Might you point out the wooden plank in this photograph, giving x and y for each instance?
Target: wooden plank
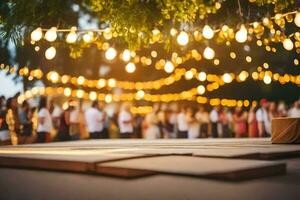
(215, 168)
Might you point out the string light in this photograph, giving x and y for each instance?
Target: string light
(37, 34)
(72, 36)
(51, 34)
(183, 38)
(267, 79)
(207, 32)
(126, 55)
(110, 53)
(297, 19)
(169, 67)
(201, 89)
(88, 37)
(241, 35)
(50, 53)
(202, 76)
(130, 67)
(288, 44)
(208, 53)
(227, 78)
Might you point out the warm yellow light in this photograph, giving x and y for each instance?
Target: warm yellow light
(296, 61)
(93, 96)
(37, 34)
(207, 32)
(173, 31)
(101, 83)
(130, 67)
(154, 54)
(50, 53)
(126, 55)
(232, 55)
(216, 61)
(140, 94)
(208, 53)
(243, 75)
(169, 67)
(288, 44)
(227, 78)
(202, 76)
(53, 76)
(183, 38)
(71, 37)
(201, 89)
(80, 80)
(241, 35)
(110, 53)
(51, 34)
(297, 19)
(266, 65)
(189, 75)
(88, 37)
(267, 79)
(67, 92)
(248, 59)
(108, 98)
(112, 82)
(80, 93)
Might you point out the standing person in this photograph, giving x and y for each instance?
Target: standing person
(240, 122)
(281, 110)
(295, 110)
(74, 127)
(182, 123)
(151, 124)
(63, 133)
(225, 122)
(26, 115)
(126, 121)
(252, 122)
(13, 120)
(272, 111)
(44, 121)
(214, 119)
(56, 112)
(203, 118)
(4, 132)
(95, 121)
(264, 122)
(171, 120)
(193, 124)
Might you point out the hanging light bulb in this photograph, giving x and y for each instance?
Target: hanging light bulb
(126, 55)
(189, 75)
(93, 96)
(288, 44)
(67, 92)
(169, 67)
(110, 53)
(130, 67)
(202, 76)
(51, 34)
(201, 89)
(50, 53)
(53, 76)
(88, 37)
(72, 36)
(227, 78)
(241, 35)
(207, 32)
(208, 53)
(37, 34)
(297, 19)
(183, 38)
(140, 94)
(267, 79)
(173, 31)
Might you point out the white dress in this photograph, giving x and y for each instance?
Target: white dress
(152, 131)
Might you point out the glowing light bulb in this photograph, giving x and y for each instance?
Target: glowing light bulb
(189, 75)
(126, 55)
(53, 76)
(50, 53)
(67, 92)
(241, 35)
(208, 53)
(88, 37)
(110, 53)
(297, 19)
(267, 79)
(93, 95)
(202, 76)
(227, 78)
(201, 89)
(288, 44)
(112, 82)
(140, 94)
(108, 98)
(173, 31)
(37, 34)
(71, 37)
(207, 32)
(169, 67)
(243, 75)
(80, 93)
(183, 38)
(51, 34)
(101, 83)
(130, 67)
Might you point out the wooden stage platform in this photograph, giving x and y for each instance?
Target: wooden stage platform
(157, 169)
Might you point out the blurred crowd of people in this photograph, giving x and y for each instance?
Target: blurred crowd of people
(23, 124)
